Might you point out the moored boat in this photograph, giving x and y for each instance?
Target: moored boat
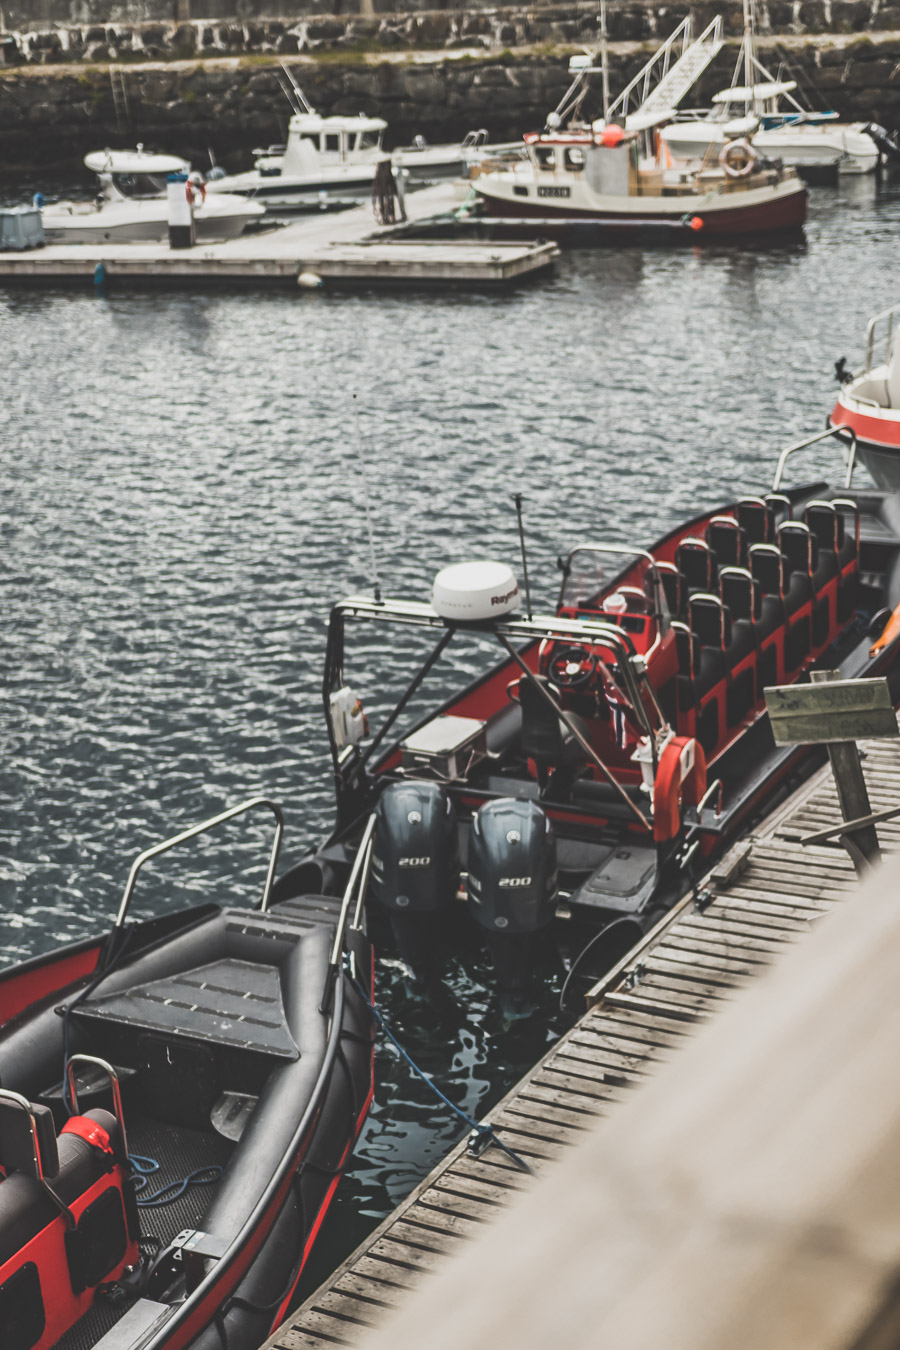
(868, 404)
(576, 786)
(131, 205)
(598, 176)
(179, 1099)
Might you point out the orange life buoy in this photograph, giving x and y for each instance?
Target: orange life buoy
(680, 781)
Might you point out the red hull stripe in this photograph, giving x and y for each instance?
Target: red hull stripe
(21, 991)
(877, 431)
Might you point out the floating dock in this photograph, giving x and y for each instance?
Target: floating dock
(765, 895)
(333, 246)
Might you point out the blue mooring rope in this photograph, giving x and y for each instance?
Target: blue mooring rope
(481, 1135)
(145, 1167)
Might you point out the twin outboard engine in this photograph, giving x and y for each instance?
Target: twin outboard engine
(512, 883)
(415, 867)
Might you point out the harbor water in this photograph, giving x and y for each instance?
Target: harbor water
(184, 485)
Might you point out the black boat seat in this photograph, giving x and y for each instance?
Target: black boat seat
(779, 503)
(674, 586)
(800, 552)
(740, 594)
(67, 1219)
(757, 519)
(848, 529)
(727, 541)
(695, 560)
(545, 737)
(824, 524)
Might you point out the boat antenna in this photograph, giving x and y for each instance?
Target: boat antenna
(376, 584)
(604, 60)
(749, 56)
(517, 498)
(303, 103)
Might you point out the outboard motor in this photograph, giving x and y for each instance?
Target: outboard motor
(512, 884)
(415, 867)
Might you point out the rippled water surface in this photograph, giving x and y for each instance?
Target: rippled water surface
(182, 500)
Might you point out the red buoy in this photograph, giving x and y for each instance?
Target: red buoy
(612, 135)
(696, 222)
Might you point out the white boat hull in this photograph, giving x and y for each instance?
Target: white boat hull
(143, 221)
(801, 146)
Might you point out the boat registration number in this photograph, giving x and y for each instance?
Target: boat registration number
(554, 192)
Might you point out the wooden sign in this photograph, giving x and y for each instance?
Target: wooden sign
(836, 710)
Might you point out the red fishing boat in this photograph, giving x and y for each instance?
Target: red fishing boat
(179, 1099)
(577, 786)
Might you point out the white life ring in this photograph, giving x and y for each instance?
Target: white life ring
(738, 158)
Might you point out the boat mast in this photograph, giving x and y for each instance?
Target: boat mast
(749, 56)
(604, 59)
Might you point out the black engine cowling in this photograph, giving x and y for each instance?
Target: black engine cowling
(512, 867)
(415, 859)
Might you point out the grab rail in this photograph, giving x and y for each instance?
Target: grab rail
(840, 431)
(359, 874)
(202, 828)
(112, 1078)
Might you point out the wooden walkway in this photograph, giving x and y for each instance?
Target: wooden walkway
(765, 895)
(336, 246)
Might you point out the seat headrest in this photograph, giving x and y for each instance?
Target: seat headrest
(27, 1137)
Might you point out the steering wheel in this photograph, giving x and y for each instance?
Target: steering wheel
(572, 667)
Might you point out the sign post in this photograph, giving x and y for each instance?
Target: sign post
(837, 712)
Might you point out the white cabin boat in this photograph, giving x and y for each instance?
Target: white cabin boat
(331, 161)
(802, 139)
(131, 206)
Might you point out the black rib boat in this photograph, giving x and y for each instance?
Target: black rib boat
(166, 1190)
(577, 786)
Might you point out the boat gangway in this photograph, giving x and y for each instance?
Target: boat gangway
(764, 896)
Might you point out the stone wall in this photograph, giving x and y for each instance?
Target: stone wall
(51, 116)
(43, 31)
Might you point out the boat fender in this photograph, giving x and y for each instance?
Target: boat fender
(738, 158)
(680, 781)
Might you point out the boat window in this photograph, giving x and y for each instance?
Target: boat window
(370, 140)
(574, 158)
(591, 573)
(139, 184)
(546, 156)
(332, 142)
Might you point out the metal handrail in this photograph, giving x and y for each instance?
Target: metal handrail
(714, 787)
(842, 432)
(116, 1091)
(202, 828)
(359, 877)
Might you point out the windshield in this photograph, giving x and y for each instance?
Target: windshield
(590, 573)
(140, 184)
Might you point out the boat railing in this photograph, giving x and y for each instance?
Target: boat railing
(357, 885)
(206, 825)
(112, 1079)
(842, 433)
(652, 82)
(880, 342)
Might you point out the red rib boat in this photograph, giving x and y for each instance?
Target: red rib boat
(577, 785)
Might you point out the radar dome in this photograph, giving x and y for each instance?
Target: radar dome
(473, 591)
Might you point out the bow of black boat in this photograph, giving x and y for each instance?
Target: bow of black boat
(168, 1192)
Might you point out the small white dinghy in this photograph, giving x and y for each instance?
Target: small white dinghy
(131, 206)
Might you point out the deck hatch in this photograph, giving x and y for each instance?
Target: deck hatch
(229, 1002)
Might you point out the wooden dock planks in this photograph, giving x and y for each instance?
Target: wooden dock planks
(677, 978)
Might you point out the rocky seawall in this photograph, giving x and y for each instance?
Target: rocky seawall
(443, 72)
